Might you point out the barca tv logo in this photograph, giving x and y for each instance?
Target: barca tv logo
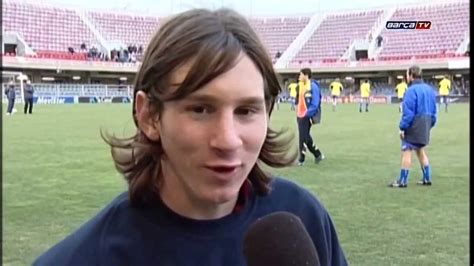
(408, 25)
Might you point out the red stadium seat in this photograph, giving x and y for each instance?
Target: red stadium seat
(40, 24)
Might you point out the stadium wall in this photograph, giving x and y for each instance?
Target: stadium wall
(112, 73)
(456, 63)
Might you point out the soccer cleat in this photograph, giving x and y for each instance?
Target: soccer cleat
(300, 163)
(396, 184)
(424, 183)
(320, 158)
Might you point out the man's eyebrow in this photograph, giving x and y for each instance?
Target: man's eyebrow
(251, 100)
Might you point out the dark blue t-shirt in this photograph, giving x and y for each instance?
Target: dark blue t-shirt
(124, 235)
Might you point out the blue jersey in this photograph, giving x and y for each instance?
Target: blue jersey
(155, 235)
(419, 112)
(312, 100)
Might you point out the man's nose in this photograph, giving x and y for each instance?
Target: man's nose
(226, 135)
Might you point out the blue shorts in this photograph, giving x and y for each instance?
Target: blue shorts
(407, 146)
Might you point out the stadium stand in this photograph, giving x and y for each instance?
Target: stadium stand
(129, 29)
(333, 37)
(50, 31)
(450, 22)
(278, 33)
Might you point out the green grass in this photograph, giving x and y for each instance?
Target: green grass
(58, 173)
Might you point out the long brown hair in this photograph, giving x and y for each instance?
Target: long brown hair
(212, 42)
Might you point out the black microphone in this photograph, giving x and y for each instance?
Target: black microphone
(279, 239)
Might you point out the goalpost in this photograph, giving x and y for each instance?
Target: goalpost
(18, 78)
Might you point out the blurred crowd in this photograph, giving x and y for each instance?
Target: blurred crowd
(130, 54)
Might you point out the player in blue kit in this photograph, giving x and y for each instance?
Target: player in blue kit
(418, 118)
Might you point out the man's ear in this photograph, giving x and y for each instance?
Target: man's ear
(147, 122)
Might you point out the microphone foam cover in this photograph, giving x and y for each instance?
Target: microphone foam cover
(279, 239)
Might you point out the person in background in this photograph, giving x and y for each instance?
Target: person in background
(336, 89)
(292, 90)
(400, 89)
(379, 41)
(277, 55)
(11, 94)
(28, 92)
(418, 118)
(364, 95)
(444, 90)
(308, 112)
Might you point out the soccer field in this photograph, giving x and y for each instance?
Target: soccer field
(58, 173)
